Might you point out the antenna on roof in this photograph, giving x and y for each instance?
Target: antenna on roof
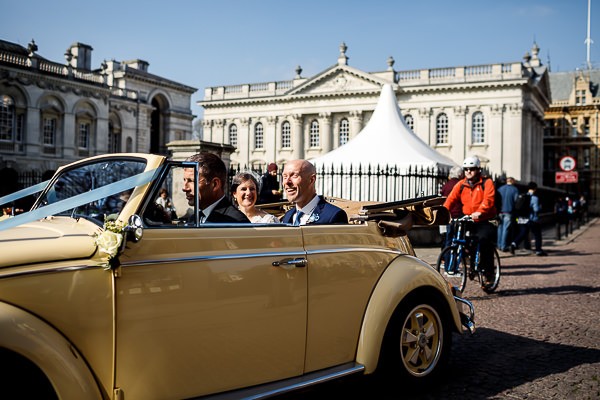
(588, 40)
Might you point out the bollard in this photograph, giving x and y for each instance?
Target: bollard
(558, 230)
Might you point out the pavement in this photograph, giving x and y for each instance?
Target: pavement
(538, 334)
(430, 254)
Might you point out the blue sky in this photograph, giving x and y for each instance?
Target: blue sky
(226, 42)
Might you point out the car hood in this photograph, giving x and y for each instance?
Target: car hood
(50, 239)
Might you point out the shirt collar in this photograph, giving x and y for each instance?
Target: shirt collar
(309, 208)
(210, 208)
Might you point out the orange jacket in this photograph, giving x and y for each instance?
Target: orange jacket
(474, 198)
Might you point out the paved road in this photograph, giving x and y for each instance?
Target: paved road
(538, 336)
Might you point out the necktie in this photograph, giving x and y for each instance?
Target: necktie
(299, 215)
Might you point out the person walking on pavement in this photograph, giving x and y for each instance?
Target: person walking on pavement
(530, 224)
(508, 194)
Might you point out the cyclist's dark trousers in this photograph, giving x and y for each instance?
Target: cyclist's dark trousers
(487, 234)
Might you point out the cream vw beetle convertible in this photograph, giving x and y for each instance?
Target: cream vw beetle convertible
(104, 295)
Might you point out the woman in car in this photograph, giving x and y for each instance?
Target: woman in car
(244, 190)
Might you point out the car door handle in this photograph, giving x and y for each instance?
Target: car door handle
(290, 263)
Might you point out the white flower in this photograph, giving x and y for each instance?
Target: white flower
(313, 218)
(109, 243)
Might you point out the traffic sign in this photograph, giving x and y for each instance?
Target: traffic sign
(567, 163)
(566, 177)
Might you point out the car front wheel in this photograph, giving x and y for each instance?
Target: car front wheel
(417, 344)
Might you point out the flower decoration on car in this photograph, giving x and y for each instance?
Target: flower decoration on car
(110, 240)
(314, 217)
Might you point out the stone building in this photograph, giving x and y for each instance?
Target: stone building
(54, 113)
(573, 129)
(495, 111)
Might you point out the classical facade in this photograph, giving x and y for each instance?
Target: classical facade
(495, 111)
(573, 129)
(54, 113)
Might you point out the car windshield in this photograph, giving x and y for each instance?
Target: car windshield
(88, 177)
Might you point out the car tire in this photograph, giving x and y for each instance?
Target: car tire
(417, 343)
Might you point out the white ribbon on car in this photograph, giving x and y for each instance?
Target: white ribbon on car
(23, 192)
(75, 201)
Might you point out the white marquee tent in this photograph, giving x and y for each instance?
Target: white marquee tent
(385, 143)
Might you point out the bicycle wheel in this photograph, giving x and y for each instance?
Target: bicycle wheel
(491, 279)
(451, 268)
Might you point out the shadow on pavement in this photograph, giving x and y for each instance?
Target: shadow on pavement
(477, 370)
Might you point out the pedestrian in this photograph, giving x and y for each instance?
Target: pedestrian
(454, 176)
(298, 179)
(269, 186)
(531, 223)
(508, 194)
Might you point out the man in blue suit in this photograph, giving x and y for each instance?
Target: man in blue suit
(298, 180)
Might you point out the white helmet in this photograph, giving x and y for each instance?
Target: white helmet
(471, 162)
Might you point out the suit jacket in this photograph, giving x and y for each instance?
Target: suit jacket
(324, 213)
(226, 212)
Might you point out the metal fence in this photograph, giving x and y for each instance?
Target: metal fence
(373, 182)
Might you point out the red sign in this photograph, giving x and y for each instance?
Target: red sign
(567, 163)
(567, 177)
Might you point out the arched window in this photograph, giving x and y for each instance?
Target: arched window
(344, 131)
(7, 118)
(129, 145)
(410, 122)
(258, 136)
(478, 131)
(11, 125)
(233, 135)
(83, 138)
(441, 129)
(286, 135)
(314, 134)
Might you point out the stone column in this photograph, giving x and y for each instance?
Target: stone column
(66, 141)
(33, 131)
(458, 134)
(356, 123)
(297, 136)
(325, 122)
(271, 139)
(244, 140)
(207, 130)
(496, 139)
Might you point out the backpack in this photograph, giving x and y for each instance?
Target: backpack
(522, 206)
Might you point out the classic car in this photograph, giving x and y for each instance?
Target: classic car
(103, 295)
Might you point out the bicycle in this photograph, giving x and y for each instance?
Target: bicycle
(461, 259)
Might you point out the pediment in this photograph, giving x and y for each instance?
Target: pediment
(339, 79)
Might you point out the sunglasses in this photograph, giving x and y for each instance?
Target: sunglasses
(471, 169)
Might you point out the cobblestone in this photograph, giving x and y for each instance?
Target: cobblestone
(538, 336)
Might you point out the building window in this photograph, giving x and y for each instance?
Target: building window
(580, 97)
(441, 129)
(233, 135)
(258, 136)
(344, 131)
(314, 134)
(114, 138)
(286, 135)
(574, 127)
(586, 126)
(410, 122)
(478, 130)
(83, 141)
(129, 145)
(49, 134)
(7, 118)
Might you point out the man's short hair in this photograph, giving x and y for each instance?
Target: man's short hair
(210, 166)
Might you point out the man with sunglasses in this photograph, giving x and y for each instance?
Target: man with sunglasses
(477, 195)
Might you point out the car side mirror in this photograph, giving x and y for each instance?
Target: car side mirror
(134, 228)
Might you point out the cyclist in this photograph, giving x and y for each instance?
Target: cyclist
(477, 195)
